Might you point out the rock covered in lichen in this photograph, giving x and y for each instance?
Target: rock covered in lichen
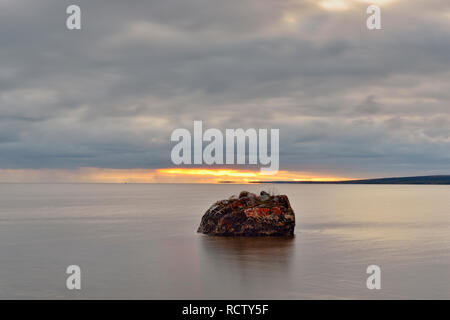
(249, 215)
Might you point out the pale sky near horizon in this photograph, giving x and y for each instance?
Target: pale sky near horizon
(349, 102)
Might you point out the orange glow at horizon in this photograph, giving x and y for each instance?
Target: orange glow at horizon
(209, 172)
(163, 175)
(245, 176)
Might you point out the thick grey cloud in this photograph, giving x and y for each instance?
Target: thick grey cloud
(346, 100)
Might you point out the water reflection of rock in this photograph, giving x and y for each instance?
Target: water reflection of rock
(251, 261)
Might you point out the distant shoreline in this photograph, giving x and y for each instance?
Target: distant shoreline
(422, 180)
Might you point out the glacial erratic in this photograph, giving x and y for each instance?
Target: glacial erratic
(249, 215)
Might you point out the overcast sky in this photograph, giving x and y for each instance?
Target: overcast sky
(347, 101)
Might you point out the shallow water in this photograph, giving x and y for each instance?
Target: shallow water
(139, 241)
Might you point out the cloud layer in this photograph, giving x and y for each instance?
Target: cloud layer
(346, 100)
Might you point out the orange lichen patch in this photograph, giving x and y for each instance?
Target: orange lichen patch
(257, 212)
(262, 212)
(276, 211)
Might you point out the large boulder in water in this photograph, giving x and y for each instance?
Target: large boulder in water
(249, 215)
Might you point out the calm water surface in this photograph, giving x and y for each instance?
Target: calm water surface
(138, 241)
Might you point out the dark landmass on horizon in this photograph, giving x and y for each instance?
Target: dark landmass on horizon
(436, 180)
